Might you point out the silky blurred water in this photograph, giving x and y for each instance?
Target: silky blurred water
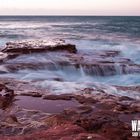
(88, 33)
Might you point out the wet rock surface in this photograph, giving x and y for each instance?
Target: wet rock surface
(3, 56)
(129, 88)
(97, 116)
(6, 96)
(63, 109)
(60, 55)
(102, 63)
(38, 46)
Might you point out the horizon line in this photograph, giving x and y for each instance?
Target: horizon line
(72, 15)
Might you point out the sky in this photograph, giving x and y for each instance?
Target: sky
(70, 7)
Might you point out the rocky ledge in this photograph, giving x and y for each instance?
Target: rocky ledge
(89, 112)
(95, 116)
(32, 46)
(60, 55)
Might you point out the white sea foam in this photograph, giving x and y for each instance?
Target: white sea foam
(89, 35)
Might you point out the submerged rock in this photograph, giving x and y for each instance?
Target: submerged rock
(25, 47)
(58, 97)
(129, 88)
(103, 63)
(84, 64)
(96, 63)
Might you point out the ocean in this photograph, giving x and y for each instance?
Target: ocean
(89, 33)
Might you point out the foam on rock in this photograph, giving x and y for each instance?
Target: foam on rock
(29, 46)
(3, 56)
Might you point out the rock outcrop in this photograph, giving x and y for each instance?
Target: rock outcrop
(89, 112)
(98, 116)
(25, 47)
(96, 63)
(6, 96)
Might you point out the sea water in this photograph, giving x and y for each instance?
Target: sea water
(88, 33)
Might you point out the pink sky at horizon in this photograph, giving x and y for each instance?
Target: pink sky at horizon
(69, 7)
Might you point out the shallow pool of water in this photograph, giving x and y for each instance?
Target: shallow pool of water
(48, 106)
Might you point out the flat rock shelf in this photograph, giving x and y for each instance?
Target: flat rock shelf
(53, 94)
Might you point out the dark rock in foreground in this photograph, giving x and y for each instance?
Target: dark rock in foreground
(6, 96)
(66, 132)
(98, 116)
(25, 47)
